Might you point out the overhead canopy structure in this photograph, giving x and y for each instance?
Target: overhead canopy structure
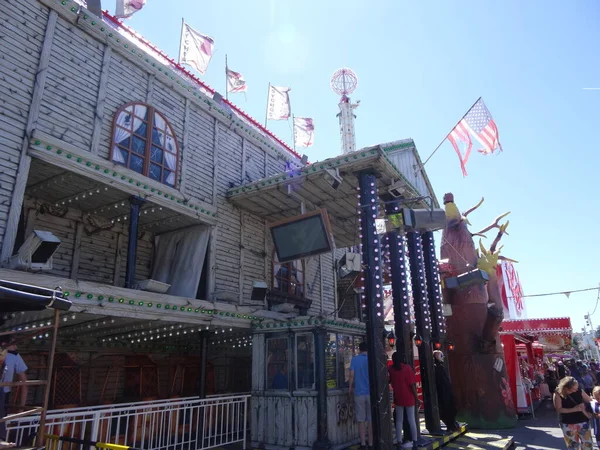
(553, 333)
(23, 297)
(330, 184)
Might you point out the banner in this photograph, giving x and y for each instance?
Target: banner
(196, 49)
(278, 103)
(126, 8)
(235, 82)
(304, 132)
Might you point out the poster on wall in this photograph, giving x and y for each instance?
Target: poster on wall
(555, 342)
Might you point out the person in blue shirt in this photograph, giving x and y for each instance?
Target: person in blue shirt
(359, 388)
(280, 381)
(11, 364)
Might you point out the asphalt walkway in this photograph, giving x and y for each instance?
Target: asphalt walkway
(541, 433)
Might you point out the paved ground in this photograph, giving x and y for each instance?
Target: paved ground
(541, 433)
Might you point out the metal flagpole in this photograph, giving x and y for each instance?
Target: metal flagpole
(226, 87)
(267, 111)
(446, 137)
(293, 132)
(180, 40)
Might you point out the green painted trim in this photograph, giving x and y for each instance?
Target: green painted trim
(200, 208)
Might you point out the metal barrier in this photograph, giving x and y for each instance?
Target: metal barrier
(177, 423)
(53, 442)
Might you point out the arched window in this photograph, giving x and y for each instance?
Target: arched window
(145, 142)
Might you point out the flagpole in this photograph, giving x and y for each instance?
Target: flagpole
(293, 133)
(180, 40)
(446, 137)
(226, 90)
(267, 111)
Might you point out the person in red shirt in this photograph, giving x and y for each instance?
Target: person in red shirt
(402, 379)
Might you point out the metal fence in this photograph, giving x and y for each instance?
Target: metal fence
(190, 423)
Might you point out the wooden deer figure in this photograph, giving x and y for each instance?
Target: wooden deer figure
(477, 364)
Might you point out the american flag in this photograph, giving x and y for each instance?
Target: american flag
(479, 123)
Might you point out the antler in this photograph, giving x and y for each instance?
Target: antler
(501, 232)
(493, 225)
(469, 211)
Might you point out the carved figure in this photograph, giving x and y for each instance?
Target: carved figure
(477, 366)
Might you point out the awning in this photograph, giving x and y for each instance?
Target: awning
(553, 333)
(23, 297)
(556, 325)
(280, 196)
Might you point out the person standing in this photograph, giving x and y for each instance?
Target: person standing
(358, 383)
(444, 393)
(570, 403)
(403, 381)
(12, 365)
(562, 370)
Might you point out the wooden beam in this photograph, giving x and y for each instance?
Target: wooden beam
(185, 160)
(118, 259)
(101, 100)
(30, 224)
(215, 161)
(76, 251)
(16, 203)
(150, 88)
(242, 248)
(243, 174)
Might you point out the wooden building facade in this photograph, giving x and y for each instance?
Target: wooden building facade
(97, 128)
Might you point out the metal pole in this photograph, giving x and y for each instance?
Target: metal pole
(226, 84)
(134, 212)
(438, 322)
(373, 299)
(323, 441)
(40, 439)
(267, 111)
(421, 305)
(400, 294)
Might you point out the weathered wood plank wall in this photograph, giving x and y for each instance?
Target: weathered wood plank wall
(88, 79)
(98, 255)
(23, 30)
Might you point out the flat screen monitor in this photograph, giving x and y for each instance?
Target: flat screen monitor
(302, 236)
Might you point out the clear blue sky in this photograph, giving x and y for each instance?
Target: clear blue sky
(420, 68)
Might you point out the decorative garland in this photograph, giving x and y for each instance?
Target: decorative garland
(213, 312)
(202, 209)
(116, 39)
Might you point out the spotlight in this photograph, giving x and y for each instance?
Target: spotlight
(418, 341)
(451, 346)
(36, 252)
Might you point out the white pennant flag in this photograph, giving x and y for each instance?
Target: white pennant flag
(304, 132)
(196, 49)
(126, 8)
(235, 82)
(278, 104)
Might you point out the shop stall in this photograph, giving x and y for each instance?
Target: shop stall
(524, 343)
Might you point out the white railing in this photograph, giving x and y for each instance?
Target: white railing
(167, 424)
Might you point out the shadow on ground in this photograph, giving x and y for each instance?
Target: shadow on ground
(539, 433)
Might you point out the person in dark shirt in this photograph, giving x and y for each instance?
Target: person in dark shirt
(562, 370)
(570, 403)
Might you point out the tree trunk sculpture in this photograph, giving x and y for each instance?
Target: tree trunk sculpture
(477, 369)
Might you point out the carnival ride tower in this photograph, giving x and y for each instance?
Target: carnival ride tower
(344, 82)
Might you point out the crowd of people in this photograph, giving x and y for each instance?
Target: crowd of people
(576, 397)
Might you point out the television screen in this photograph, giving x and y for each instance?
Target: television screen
(302, 236)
